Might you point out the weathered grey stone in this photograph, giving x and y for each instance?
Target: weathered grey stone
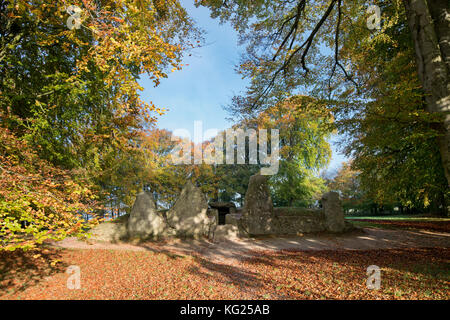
(188, 216)
(257, 214)
(334, 215)
(300, 224)
(109, 232)
(257, 200)
(226, 232)
(232, 218)
(213, 216)
(144, 220)
(259, 217)
(296, 211)
(293, 220)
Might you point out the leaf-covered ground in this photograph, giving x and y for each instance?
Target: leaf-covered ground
(329, 274)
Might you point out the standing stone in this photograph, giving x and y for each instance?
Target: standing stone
(257, 214)
(213, 216)
(144, 220)
(188, 216)
(334, 215)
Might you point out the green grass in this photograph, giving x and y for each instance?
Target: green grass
(416, 218)
(410, 222)
(367, 224)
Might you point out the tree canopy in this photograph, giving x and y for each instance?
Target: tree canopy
(394, 122)
(77, 139)
(69, 89)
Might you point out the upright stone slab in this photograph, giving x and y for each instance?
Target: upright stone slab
(334, 215)
(188, 216)
(144, 220)
(257, 214)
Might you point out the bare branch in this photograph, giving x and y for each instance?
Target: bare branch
(300, 8)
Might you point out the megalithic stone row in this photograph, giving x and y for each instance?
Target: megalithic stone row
(259, 217)
(190, 216)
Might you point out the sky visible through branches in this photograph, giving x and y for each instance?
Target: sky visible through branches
(207, 83)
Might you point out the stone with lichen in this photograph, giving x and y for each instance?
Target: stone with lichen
(188, 216)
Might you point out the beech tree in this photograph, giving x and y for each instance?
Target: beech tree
(304, 125)
(285, 41)
(429, 22)
(69, 95)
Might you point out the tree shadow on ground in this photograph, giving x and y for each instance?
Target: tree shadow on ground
(21, 269)
(408, 271)
(217, 269)
(246, 280)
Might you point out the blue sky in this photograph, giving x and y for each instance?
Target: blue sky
(200, 90)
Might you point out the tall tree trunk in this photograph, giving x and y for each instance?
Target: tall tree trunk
(429, 22)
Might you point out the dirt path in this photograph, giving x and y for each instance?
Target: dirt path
(235, 249)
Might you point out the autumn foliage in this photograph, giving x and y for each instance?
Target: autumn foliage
(37, 200)
(413, 274)
(71, 116)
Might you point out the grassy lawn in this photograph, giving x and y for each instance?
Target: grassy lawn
(369, 224)
(400, 218)
(120, 274)
(405, 222)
